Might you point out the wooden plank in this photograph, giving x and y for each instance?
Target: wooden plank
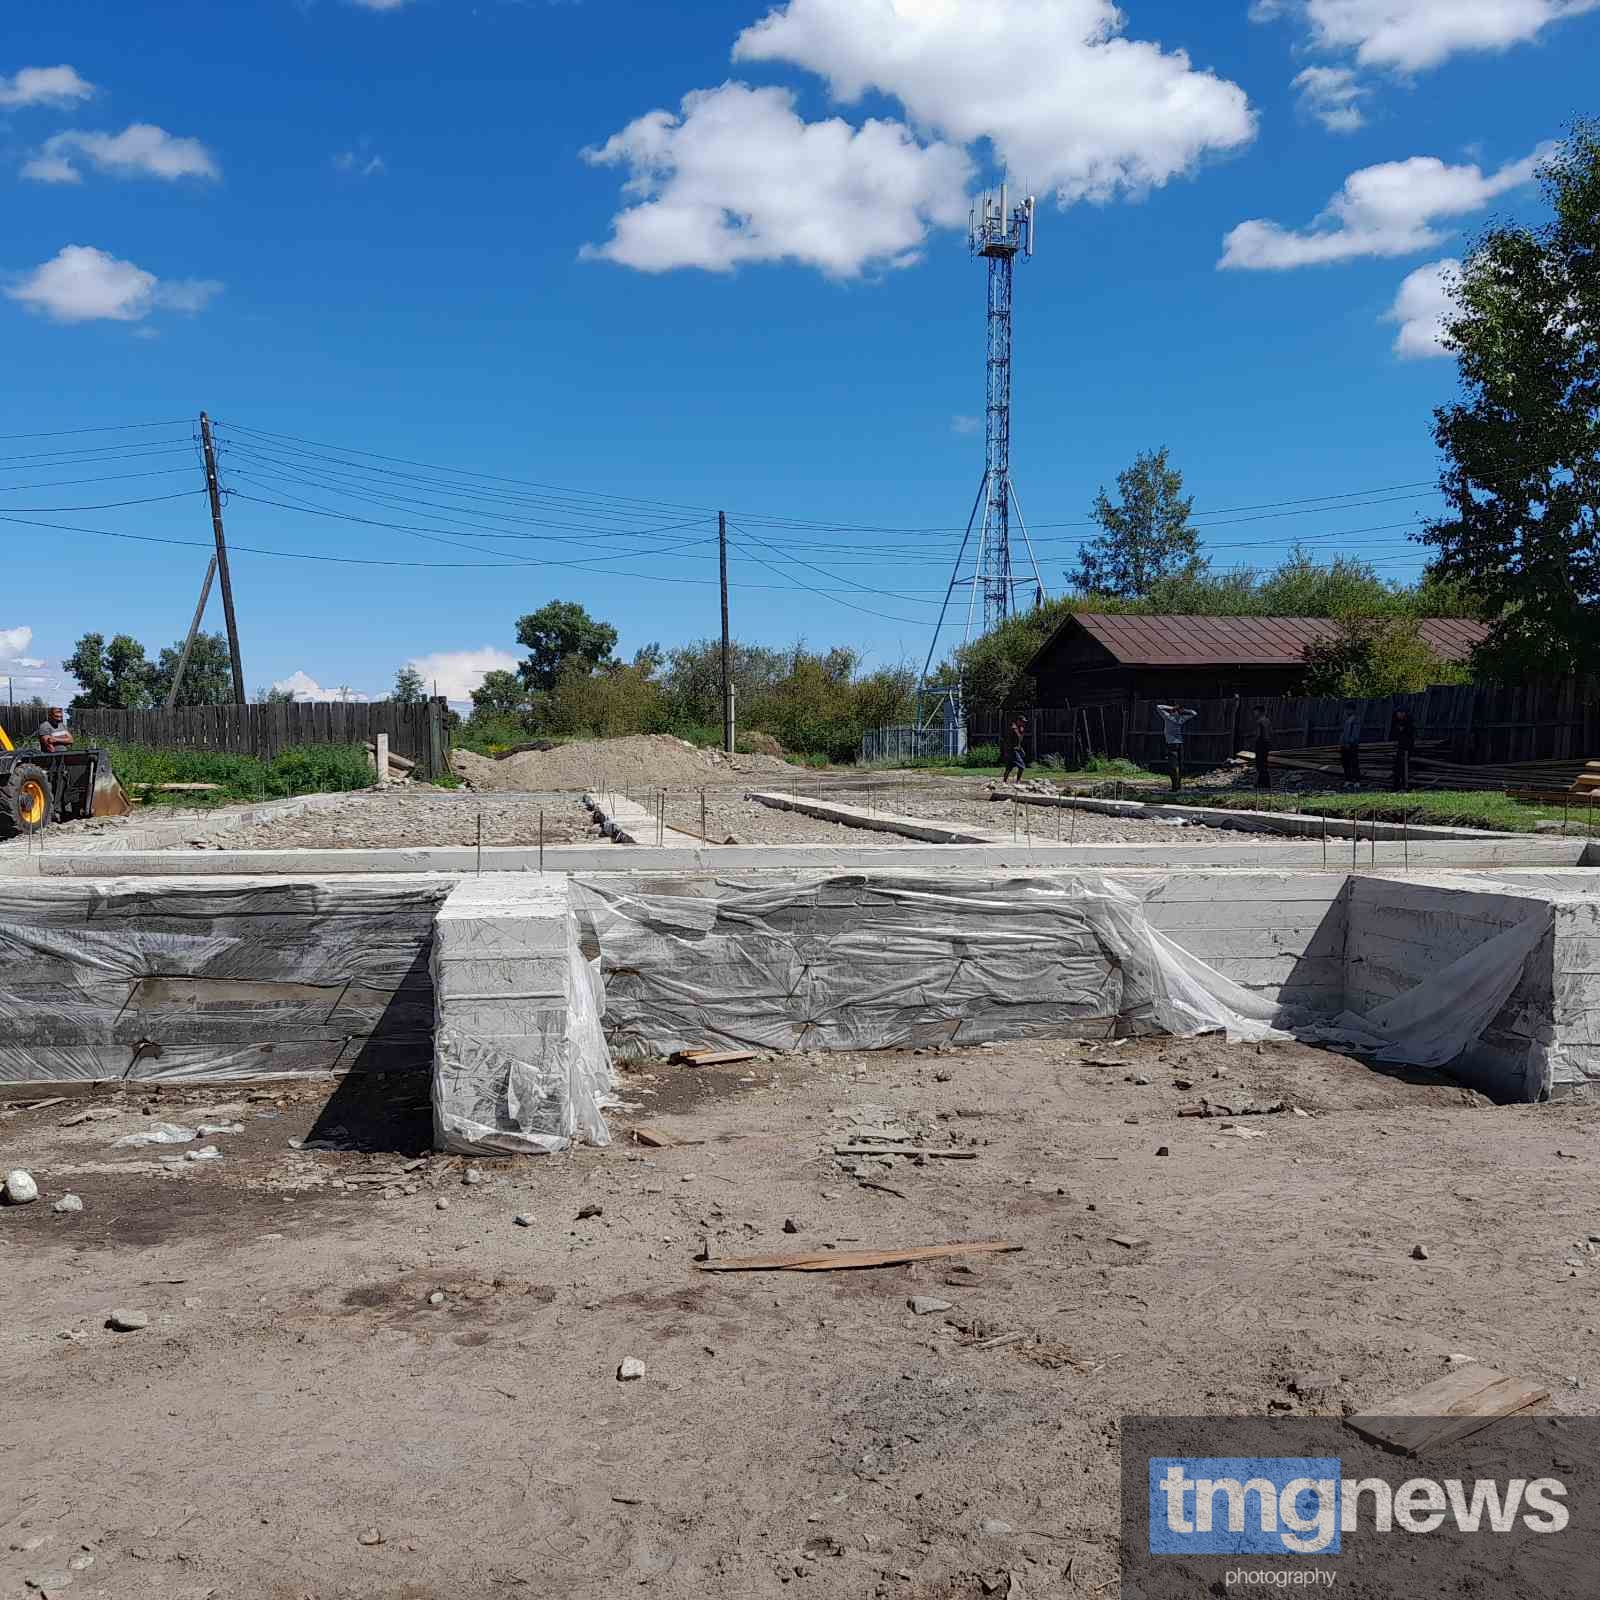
(850, 1260)
(1448, 1409)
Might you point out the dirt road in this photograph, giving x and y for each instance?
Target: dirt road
(301, 1418)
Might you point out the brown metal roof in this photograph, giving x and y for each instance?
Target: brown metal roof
(1182, 641)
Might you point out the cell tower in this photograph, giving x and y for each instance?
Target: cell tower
(999, 235)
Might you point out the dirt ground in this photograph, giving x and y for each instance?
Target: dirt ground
(301, 1418)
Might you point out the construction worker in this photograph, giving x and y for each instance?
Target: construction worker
(53, 733)
(1015, 751)
(1172, 721)
(1350, 743)
(1404, 733)
(1263, 749)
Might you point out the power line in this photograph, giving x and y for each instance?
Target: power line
(116, 427)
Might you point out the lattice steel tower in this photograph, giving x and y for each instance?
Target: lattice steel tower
(999, 234)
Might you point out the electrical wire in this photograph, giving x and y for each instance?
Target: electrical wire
(116, 427)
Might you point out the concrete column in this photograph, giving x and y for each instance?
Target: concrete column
(380, 746)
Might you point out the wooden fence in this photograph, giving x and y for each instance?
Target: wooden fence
(415, 731)
(1542, 719)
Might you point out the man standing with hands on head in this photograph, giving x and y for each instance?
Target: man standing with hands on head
(1172, 721)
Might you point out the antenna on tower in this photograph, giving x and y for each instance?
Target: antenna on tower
(999, 233)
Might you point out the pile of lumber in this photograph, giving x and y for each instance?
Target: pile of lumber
(1583, 791)
(400, 767)
(1429, 769)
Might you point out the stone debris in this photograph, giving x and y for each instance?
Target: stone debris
(925, 1305)
(1419, 1252)
(19, 1188)
(523, 1219)
(68, 1202)
(157, 1133)
(369, 1537)
(122, 1321)
(590, 1210)
(436, 1298)
(631, 1369)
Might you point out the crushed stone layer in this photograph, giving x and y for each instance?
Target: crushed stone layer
(455, 1330)
(418, 816)
(968, 805)
(637, 762)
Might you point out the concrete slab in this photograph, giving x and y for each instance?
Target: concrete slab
(873, 820)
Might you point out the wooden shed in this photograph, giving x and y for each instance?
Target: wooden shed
(1094, 658)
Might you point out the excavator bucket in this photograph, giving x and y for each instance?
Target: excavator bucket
(110, 798)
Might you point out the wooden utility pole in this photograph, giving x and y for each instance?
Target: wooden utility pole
(222, 558)
(727, 674)
(194, 628)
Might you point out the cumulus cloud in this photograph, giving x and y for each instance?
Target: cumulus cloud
(13, 641)
(1067, 102)
(1332, 95)
(1388, 210)
(306, 688)
(737, 176)
(83, 284)
(43, 86)
(1412, 35)
(1421, 306)
(459, 672)
(141, 150)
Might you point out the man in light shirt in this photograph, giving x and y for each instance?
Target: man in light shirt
(1172, 721)
(53, 734)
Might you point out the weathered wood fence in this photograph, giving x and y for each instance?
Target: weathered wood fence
(418, 731)
(1541, 719)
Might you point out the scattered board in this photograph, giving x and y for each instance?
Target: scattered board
(1448, 1409)
(706, 1057)
(842, 1260)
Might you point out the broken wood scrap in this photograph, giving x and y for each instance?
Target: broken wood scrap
(882, 1188)
(843, 1260)
(704, 1056)
(1448, 1409)
(903, 1150)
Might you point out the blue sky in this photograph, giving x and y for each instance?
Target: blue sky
(583, 272)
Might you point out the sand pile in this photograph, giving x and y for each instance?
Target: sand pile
(640, 761)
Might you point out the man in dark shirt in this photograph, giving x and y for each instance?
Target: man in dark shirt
(1263, 728)
(1403, 731)
(53, 734)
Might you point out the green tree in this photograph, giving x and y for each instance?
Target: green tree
(207, 679)
(271, 696)
(409, 689)
(1369, 656)
(501, 694)
(556, 634)
(1522, 445)
(115, 675)
(1145, 537)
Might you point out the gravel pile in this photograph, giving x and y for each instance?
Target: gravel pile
(638, 762)
(418, 817)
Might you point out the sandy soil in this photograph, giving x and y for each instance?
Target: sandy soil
(420, 815)
(299, 1420)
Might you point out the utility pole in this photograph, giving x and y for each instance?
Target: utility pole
(194, 628)
(727, 675)
(222, 558)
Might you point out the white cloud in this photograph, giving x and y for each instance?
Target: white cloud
(1387, 210)
(1411, 35)
(141, 150)
(380, 5)
(964, 424)
(83, 284)
(1067, 102)
(1333, 96)
(43, 86)
(13, 641)
(304, 687)
(1421, 306)
(359, 164)
(459, 672)
(738, 177)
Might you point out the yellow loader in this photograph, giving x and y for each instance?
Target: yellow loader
(38, 787)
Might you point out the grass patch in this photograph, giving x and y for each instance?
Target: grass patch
(1471, 808)
(305, 769)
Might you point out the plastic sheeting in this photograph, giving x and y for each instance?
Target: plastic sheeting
(871, 962)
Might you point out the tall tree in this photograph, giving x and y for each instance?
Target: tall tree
(1522, 445)
(208, 677)
(500, 694)
(409, 689)
(558, 633)
(115, 675)
(1145, 536)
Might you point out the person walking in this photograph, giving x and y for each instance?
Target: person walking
(1263, 748)
(1403, 731)
(1014, 753)
(1350, 743)
(1172, 721)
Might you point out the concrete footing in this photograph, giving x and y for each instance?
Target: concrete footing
(627, 822)
(874, 821)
